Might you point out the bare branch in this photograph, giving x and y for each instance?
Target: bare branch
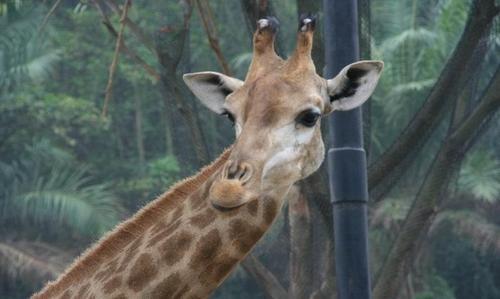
(489, 104)
(209, 25)
(264, 277)
(130, 53)
(112, 67)
(49, 14)
(134, 28)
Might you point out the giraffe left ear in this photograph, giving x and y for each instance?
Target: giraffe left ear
(354, 84)
(212, 88)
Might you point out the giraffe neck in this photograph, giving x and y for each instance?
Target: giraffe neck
(178, 246)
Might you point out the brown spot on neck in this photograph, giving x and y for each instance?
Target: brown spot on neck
(175, 247)
(206, 249)
(253, 207)
(215, 272)
(271, 210)
(143, 271)
(168, 287)
(203, 219)
(111, 285)
(244, 235)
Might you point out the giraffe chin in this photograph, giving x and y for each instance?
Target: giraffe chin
(228, 194)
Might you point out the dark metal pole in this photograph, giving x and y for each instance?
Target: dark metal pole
(347, 159)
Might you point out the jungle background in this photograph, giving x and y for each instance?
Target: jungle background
(89, 134)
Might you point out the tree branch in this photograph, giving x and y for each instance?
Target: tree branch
(264, 277)
(49, 14)
(130, 53)
(301, 262)
(328, 286)
(488, 105)
(452, 78)
(209, 25)
(134, 28)
(112, 67)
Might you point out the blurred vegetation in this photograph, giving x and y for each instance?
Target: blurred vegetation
(68, 175)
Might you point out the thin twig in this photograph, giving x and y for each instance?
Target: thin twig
(209, 25)
(130, 53)
(489, 104)
(112, 67)
(49, 14)
(134, 28)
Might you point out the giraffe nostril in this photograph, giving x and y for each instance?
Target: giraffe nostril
(246, 174)
(237, 171)
(233, 171)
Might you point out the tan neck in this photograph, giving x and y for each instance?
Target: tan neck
(177, 246)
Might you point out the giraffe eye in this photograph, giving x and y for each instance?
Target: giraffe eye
(308, 118)
(229, 115)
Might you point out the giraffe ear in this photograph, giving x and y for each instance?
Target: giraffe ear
(212, 88)
(354, 84)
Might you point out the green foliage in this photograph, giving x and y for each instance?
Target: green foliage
(163, 168)
(46, 189)
(25, 55)
(466, 271)
(480, 176)
(481, 232)
(436, 287)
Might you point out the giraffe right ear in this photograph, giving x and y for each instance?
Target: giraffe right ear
(212, 88)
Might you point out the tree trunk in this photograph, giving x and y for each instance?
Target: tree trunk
(300, 246)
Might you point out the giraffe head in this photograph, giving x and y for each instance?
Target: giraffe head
(276, 113)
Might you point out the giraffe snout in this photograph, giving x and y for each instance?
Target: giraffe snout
(229, 191)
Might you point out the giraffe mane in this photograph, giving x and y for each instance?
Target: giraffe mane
(128, 230)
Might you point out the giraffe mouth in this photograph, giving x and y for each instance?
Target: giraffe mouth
(223, 209)
(229, 194)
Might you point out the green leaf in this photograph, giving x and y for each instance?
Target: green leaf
(480, 176)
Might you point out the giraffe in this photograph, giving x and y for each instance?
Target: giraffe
(187, 241)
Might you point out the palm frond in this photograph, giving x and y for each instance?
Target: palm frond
(420, 36)
(64, 196)
(480, 176)
(18, 263)
(401, 97)
(24, 56)
(413, 86)
(391, 211)
(44, 191)
(483, 234)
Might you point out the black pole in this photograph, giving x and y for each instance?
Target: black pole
(347, 159)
